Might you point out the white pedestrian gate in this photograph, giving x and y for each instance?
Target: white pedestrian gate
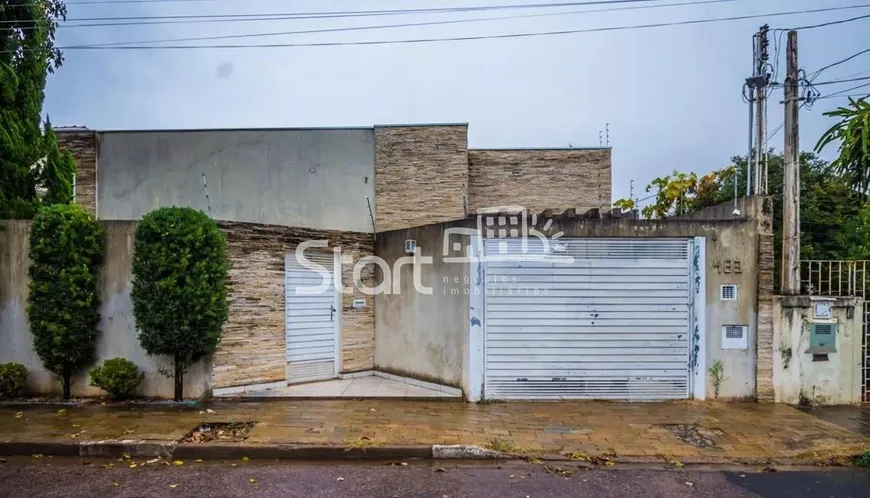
(614, 324)
(312, 336)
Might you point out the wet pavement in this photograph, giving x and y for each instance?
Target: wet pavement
(76, 478)
(692, 431)
(852, 418)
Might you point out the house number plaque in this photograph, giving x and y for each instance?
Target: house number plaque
(728, 266)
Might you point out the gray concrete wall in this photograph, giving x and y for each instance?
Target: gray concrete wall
(833, 380)
(313, 178)
(410, 329)
(417, 335)
(118, 336)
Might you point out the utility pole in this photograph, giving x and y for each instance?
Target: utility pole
(791, 216)
(761, 111)
(750, 82)
(600, 138)
(607, 127)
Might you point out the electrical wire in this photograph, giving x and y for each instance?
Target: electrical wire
(830, 23)
(355, 13)
(847, 59)
(836, 94)
(294, 17)
(461, 38)
(848, 80)
(386, 26)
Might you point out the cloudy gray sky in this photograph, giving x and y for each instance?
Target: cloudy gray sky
(672, 95)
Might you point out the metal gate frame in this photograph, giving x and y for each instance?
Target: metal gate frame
(843, 278)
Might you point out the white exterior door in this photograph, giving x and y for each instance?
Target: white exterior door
(614, 324)
(311, 320)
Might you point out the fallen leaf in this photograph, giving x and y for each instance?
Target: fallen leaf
(133, 465)
(209, 410)
(440, 469)
(178, 462)
(201, 412)
(108, 465)
(115, 483)
(245, 459)
(37, 455)
(404, 464)
(19, 415)
(173, 486)
(511, 476)
(153, 460)
(126, 456)
(689, 483)
(372, 410)
(252, 480)
(340, 479)
(677, 463)
(129, 431)
(77, 425)
(198, 460)
(74, 435)
(742, 475)
(232, 465)
(609, 463)
(2, 460)
(62, 411)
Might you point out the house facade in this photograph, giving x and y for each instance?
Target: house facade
(500, 273)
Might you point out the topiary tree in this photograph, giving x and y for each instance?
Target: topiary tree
(66, 250)
(179, 286)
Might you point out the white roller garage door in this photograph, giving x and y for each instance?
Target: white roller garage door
(614, 324)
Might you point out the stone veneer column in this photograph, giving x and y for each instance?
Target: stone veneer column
(421, 175)
(83, 145)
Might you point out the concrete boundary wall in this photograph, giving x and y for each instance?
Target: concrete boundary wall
(252, 349)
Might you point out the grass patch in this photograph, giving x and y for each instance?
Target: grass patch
(219, 431)
(503, 446)
(365, 442)
(862, 459)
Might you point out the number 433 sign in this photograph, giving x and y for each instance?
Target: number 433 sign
(728, 266)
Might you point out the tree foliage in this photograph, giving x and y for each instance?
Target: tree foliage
(853, 133)
(829, 205)
(179, 286)
(29, 160)
(682, 193)
(66, 250)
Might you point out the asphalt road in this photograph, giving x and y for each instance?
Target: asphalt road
(73, 478)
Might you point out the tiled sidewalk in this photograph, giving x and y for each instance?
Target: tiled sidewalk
(685, 430)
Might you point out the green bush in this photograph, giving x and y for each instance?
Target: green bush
(66, 249)
(179, 286)
(119, 377)
(13, 380)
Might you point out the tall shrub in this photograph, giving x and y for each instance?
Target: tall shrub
(179, 286)
(66, 250)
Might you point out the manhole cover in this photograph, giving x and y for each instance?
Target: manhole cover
(697, 436)
(219, 431)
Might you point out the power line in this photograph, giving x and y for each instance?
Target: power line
(836, 94)
(463, 38)
(354, 13)
(847, 59)
(295, 17)
(386, 26)
(848, 80)
(830, 23)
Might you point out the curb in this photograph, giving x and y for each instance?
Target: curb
(235, 451)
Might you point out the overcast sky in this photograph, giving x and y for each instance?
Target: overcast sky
(672, 95)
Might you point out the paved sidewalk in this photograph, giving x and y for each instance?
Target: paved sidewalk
(689, 431)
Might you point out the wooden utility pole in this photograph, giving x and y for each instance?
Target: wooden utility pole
(791, 216)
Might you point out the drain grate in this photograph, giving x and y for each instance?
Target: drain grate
(219, 431)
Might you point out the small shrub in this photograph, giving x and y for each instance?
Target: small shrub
(863, 460)
(717, 376)
(13, 380)
(118, 377)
